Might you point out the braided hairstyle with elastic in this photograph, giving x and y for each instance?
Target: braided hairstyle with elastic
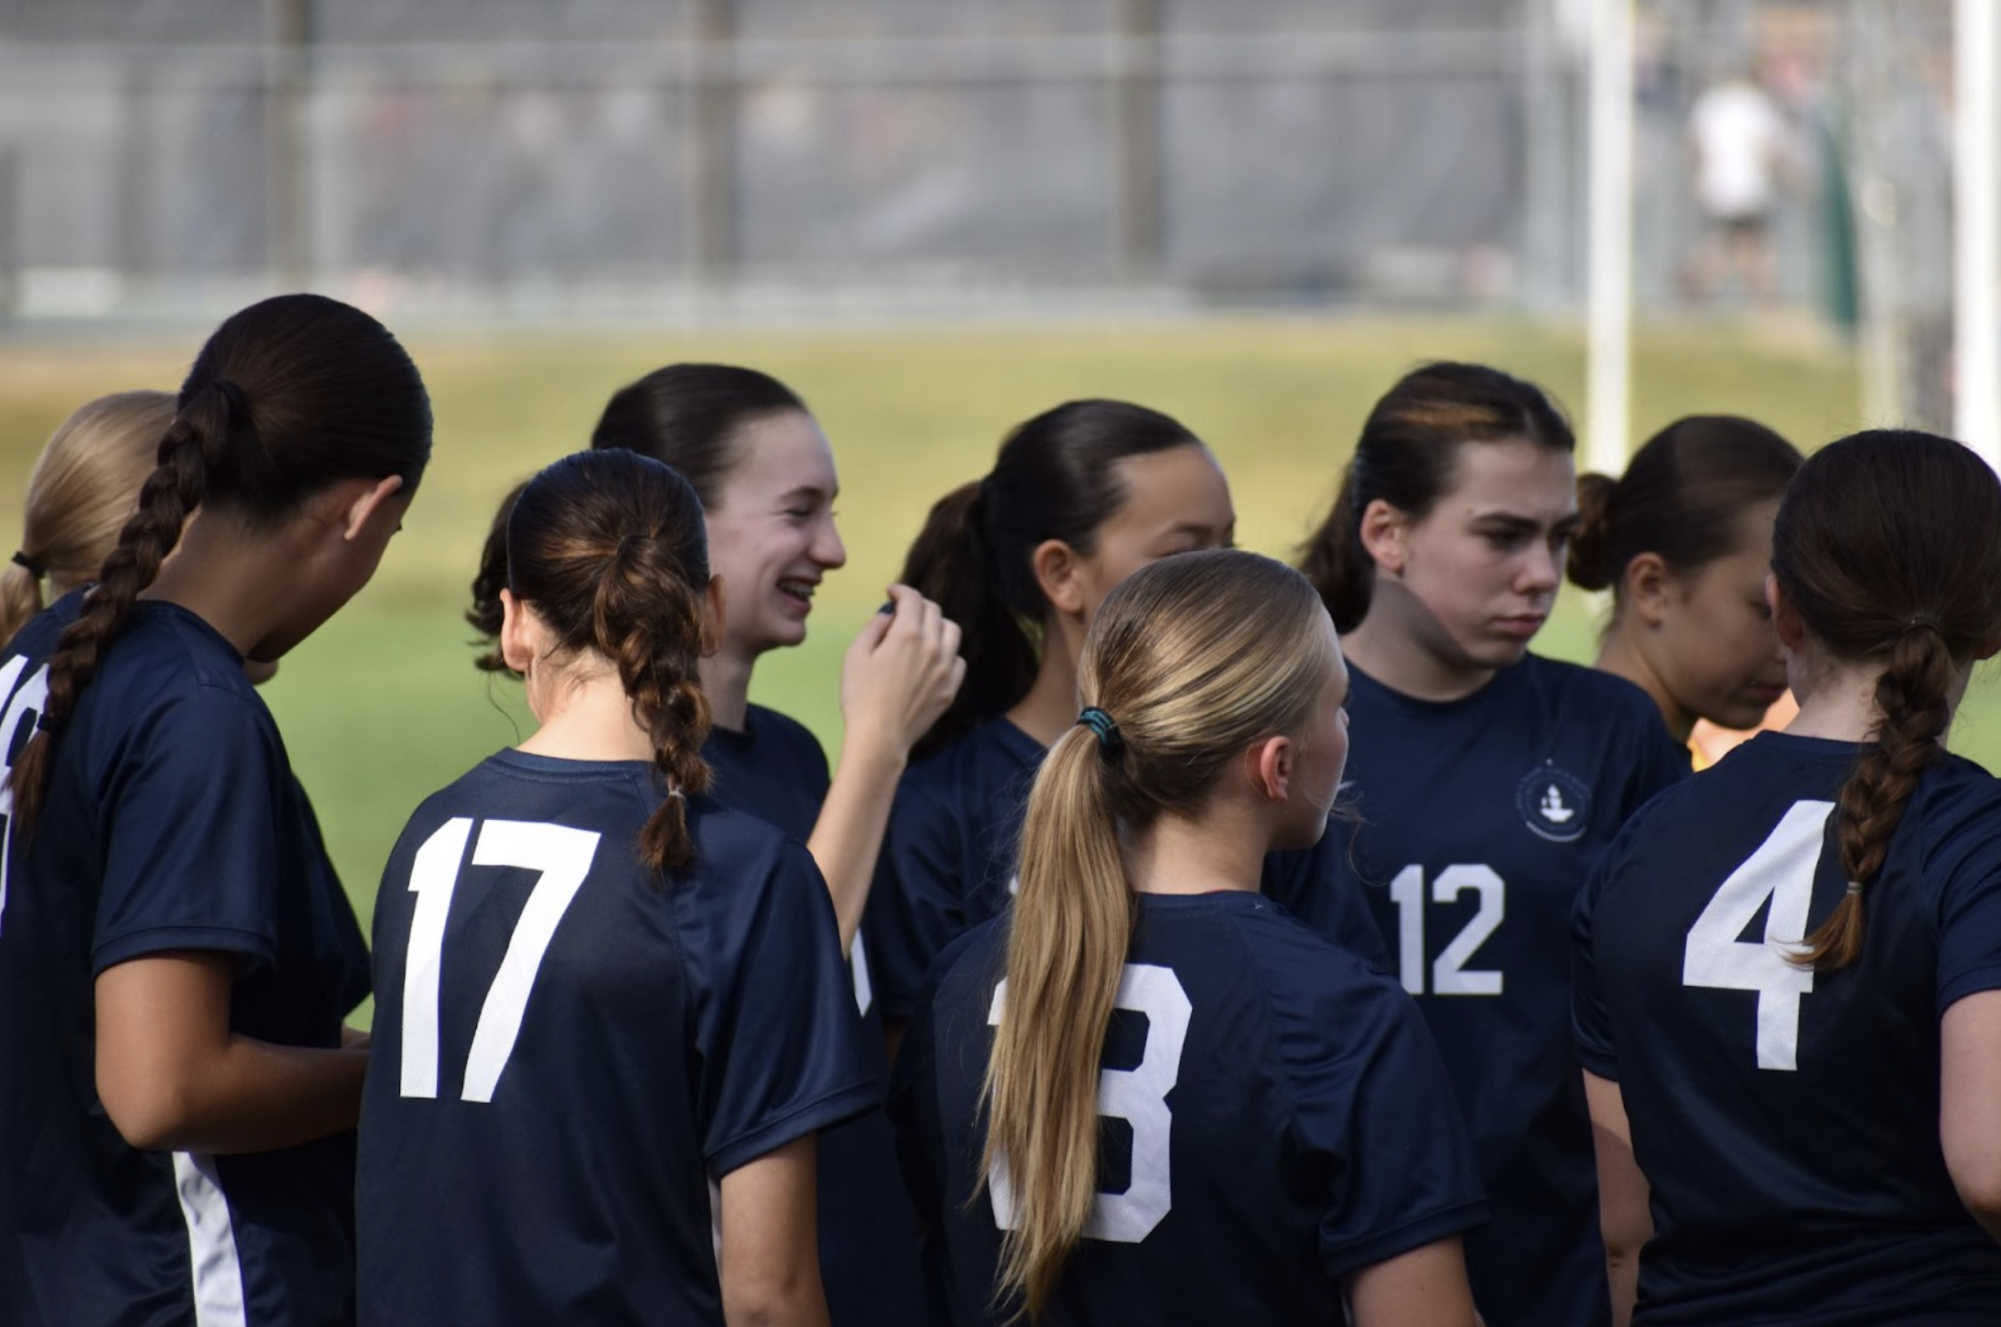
(1886, 548)
(609, 551)
(287, 398)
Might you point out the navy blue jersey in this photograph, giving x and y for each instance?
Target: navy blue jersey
(1480, 819)
(948, 863)
(1276, 1120)
(172, 822)
(570, 1053)
(1788, 1120)
(775, 770)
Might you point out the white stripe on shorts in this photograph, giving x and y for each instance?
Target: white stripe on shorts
(218, 1274)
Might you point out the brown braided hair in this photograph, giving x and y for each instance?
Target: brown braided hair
(287, 397)
(610, 551)
(1885, 547)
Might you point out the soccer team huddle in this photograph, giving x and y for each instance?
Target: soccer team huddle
(1109, 977)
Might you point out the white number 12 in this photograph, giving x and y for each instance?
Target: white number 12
(563, 857)
(1449, 973)
(1780, 870)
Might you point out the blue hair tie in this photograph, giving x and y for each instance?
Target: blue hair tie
(1101, 724)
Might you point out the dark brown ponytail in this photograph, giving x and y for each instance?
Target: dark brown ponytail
(1885, 547)
(1054, 478)
(1406, 457)
(609, 550)
(288, 396)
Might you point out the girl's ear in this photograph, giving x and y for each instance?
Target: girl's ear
(1785, 619)
(1056, 567)
(517, 633)
(714, 616)
(366, 503)
(1269, 764)
(1649, 588)
(1383, 531)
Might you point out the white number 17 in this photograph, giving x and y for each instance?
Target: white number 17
(563, 857)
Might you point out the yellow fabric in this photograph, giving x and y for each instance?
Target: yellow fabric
(1708, 743)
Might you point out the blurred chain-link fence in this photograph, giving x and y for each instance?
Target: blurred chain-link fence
(649, 157)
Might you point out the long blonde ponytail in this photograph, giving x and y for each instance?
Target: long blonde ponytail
(1194, 658)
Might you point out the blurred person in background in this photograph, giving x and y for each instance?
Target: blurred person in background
(1739, 150)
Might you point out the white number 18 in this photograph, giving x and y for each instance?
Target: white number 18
(1137, 1096)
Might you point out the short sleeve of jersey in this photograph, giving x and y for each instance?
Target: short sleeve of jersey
(1369, 1090)
(1963, 830)
(780, 1048)
(1591, 1023)
(916, 905)
(191, 833)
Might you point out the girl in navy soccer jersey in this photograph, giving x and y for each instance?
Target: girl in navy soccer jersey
(1487, 781)
(1192, 1109)
(1079, 497)
(766, 479)
(612, 1012)
(1683, 540)
(175, 953)
(1788, 995)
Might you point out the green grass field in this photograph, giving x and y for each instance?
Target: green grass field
(383, 706)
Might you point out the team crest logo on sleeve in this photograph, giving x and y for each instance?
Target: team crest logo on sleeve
(1555, 804)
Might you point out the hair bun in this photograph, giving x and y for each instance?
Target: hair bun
(1590, 565)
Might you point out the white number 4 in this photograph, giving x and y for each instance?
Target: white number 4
(562, 856)
(1781, 870)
